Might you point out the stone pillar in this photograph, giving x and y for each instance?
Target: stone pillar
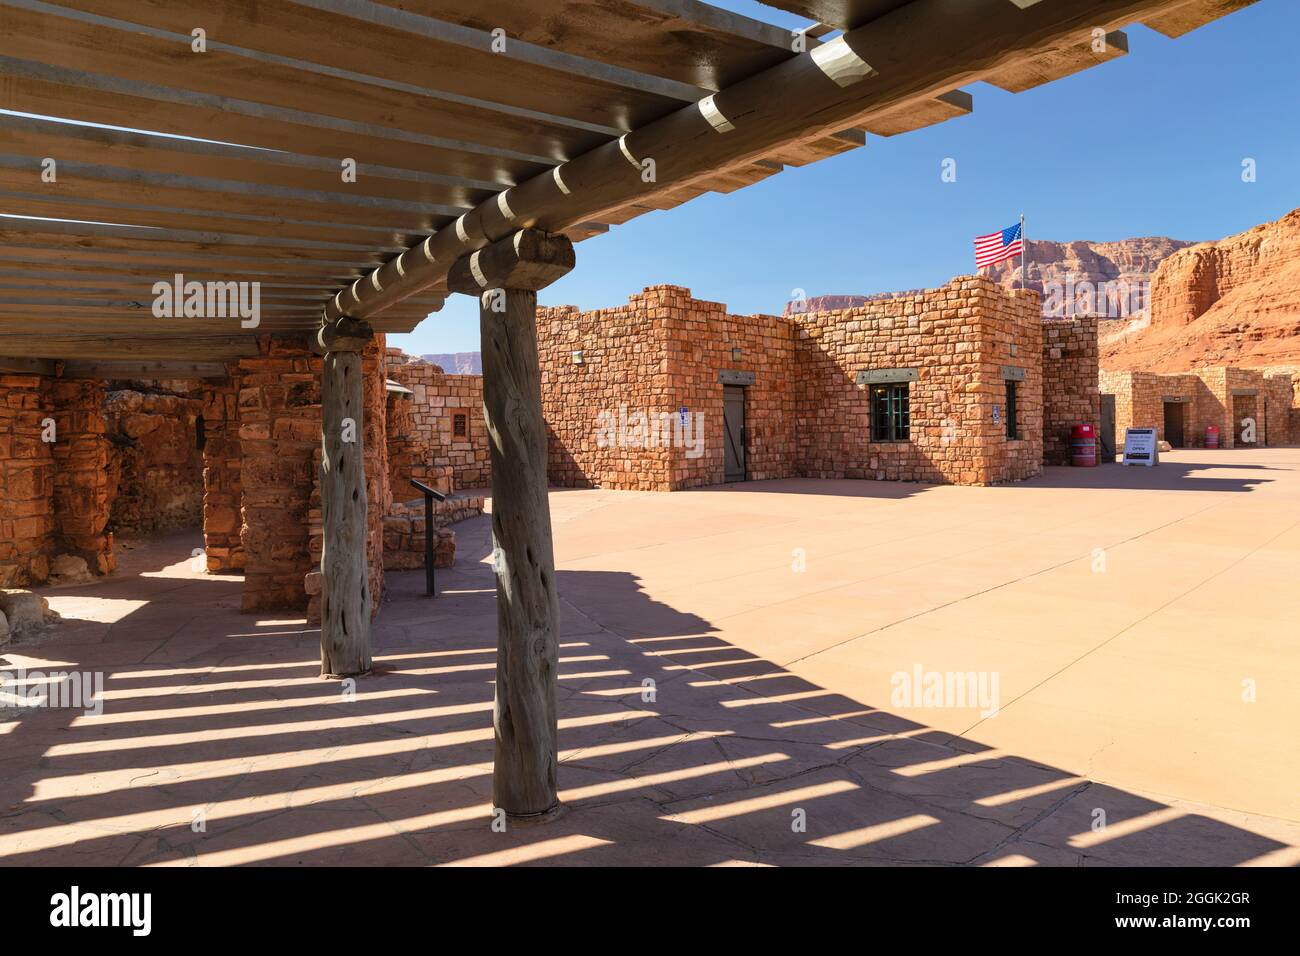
(26, 484)
(83, 494)
(222, 492)
(345, 586)
(506, 277)
(279, 432)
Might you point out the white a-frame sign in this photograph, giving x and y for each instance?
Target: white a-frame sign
(1140, 447)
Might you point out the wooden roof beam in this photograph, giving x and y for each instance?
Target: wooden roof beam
(140, 347)
(1190, 16)
(910, 55)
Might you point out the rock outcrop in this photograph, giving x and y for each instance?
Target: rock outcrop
(458, 363)
(1231, 302)
(1107, 279)
(1087, 277)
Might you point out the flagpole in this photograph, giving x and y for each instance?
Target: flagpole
(1024, 248)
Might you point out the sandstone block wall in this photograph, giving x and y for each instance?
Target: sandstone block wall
(958, 337)
(26, 484)
(279, 435)
(421, 429)
(222, 490)
(623, 372)
(1208, 399)
(701, 339)
(156, 463)
(805, 414)
(55, 488)
(1282, 385)
(83, 492)
(1071, 395)
(404, 531)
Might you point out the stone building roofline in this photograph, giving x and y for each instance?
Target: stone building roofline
(666, 290)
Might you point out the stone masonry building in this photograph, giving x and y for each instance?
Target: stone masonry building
(944, 385)
(1248, 406)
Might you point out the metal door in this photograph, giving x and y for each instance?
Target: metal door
(1174, 424)
(733, 407)
(1106, 434)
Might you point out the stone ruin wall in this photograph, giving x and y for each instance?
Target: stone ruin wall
(55, 495)
(223, 493)
(280, 445)
(156, 464)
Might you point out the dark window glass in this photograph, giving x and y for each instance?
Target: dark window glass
(891, 414)
(459, 425)
(1012, 431)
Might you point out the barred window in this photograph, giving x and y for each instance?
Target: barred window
(890, 412)
(1013, 431)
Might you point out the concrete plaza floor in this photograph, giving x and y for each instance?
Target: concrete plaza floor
(730, 688)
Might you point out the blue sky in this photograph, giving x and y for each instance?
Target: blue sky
(1149, 144)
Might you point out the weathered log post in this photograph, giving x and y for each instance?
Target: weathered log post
(345, 578)
(506, 276)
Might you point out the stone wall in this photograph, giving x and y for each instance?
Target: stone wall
(422, 432)
(55, 487)
(702, 338)
(805, 413)
(222, 489)
(623, 371)
(1071, 395)
(404, 531)
(958, 338)
(279, 435)
(26, 484)
(1208, 398)
(83, 492)
(641, 364)
(156, 463)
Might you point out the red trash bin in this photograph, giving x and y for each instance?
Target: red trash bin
(1212, 436)
(1083, 446)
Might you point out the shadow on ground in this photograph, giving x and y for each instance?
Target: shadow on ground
(219, 745)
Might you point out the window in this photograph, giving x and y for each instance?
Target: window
(460, 425)
(890, 413)
(1013, 432)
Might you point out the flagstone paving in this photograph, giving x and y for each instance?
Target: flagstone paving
(729, 693)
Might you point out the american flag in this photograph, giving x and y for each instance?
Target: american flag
(997, 246)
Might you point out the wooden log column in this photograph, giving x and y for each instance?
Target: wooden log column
(345, 584)
(506, 276)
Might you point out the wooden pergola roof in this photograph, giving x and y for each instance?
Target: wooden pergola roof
(226, 165)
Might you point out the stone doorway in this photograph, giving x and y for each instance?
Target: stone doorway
(733, 406)
(1174, 424)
